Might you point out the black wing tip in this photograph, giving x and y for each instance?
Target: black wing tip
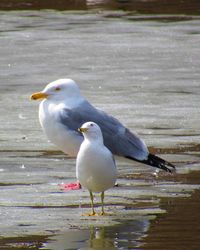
(157, 162)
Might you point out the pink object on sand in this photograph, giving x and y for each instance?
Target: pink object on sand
(70, 186)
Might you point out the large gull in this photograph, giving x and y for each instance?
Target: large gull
(63, 110)
(95, 165)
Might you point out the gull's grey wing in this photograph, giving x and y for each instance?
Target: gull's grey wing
(117, 138)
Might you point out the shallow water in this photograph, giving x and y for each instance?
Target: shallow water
(186, 7)
(142, 69)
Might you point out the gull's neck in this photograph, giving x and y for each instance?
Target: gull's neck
(94, 138)
(73, 102)
(69, 102)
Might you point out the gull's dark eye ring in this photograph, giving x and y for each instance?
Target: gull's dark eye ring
(91, 124)
(57, 88)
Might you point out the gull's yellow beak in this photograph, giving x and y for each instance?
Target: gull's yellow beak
(82, 130)
(38, 95)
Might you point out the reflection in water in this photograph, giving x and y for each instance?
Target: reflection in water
(179, 228)
(180, 225)
(126, 235)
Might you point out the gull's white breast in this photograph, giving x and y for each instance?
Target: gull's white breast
(65, 139)
(95, 167)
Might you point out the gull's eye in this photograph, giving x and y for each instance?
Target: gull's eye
(57, 88)
(91, 124)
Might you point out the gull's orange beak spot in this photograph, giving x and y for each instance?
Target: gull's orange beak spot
(38, 96)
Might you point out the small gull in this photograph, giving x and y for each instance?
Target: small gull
(95, 165)
(63, 110)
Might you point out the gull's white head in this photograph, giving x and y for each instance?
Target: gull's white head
(58, 90)
(91, 130)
